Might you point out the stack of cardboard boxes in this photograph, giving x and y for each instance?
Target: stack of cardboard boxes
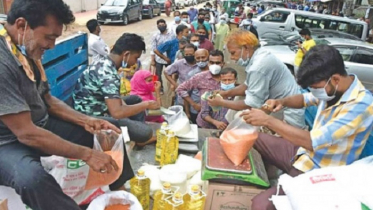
(230, 186)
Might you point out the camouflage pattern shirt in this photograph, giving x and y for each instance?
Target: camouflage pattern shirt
(98, 82)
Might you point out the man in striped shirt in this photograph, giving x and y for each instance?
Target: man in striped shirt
(342, 125)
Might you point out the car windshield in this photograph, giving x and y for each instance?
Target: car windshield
(116, 3)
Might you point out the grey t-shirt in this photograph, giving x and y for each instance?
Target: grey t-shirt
(268, 78)
(18, 93)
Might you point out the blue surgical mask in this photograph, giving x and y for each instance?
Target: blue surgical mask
(125, 63)
(227, 87)
(177, 18)
(202, 64)
(185, 20)
(22, 47)
(321, 94)
(223, 22)
(243, 62)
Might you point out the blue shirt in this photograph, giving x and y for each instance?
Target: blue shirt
(169, 47)
(192, 14)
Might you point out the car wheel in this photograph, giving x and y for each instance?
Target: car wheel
(140, 16)
(125, 19)
(151, 14)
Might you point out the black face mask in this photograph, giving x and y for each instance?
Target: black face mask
(189, 58)
(162, 28)
(202, 37)
(201, 20)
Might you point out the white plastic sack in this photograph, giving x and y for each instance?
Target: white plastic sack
(173, 175)
(72, 174)
(281, 202)
(189, 165)
(113, 198)
(342, 188)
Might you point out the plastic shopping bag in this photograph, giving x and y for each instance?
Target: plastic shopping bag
(112, 144)
(237, 140)
(76, 178)
(179, 122)
(119, 200)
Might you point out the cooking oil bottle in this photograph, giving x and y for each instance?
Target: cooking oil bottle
(140, 187)
(170, 149)
(161, 195)
(161, 135)
(175, 203)
(194, 199)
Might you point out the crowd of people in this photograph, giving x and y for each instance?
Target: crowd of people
(33, 123)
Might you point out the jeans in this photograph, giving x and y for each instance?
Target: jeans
(158, 72)
(21, 169)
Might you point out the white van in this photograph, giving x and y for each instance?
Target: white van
(282, 21)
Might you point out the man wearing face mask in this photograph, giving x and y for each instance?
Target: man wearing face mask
(194, 40)
(177, 21)
(96, 45)
(216, 119)
(304, 46)
(341, 128)
(201, 21)
(201, 58)
(182, 67)
(172, 46)
(97, 90)
(203, 41)
(160, 37)
(266, 78)
(204, 81)
(222, 30)
(33, 123)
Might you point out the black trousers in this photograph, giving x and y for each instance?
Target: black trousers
(20, 169)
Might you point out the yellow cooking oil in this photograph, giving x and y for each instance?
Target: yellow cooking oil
(194, 199)
(160, 196)
(171, 149)
(140, 187)
(161, 135)
(175, 202)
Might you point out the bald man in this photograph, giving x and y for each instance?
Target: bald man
(203, 81)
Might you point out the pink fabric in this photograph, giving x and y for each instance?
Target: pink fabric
(144, 90)
(140, 87)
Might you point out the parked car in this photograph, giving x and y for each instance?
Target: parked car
(161, 3)
(357, 56)
(180, 4)
(120, 11)
(287, 20)
(150, 8)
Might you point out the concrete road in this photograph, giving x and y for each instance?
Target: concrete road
(145, 28)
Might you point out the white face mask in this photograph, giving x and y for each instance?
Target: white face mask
(243, 62)
(215, 69)
(321, 94)
(196, 44)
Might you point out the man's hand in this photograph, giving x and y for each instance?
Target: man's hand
(256, 117)
(157, 85)
(299, 45)
(220, 125)
(217, 101)
(153, 105)
(197, 107)
(173, 87)
(94, 125)
(273, 105)
(101, 162)
(168, 60)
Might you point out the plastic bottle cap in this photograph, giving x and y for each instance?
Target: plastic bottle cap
(167, 185)
(195, 188)
(178, 196)
(141, 172)
(171, 132)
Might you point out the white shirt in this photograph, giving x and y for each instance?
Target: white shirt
(174, 25)
(245, 24)
(97, 47)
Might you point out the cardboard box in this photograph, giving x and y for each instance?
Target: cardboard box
(226, 196)
(4, 204)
